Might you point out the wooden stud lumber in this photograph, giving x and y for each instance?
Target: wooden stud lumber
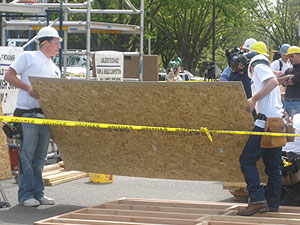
(147, 211)
(175, 203)
(89, 222)
(51, 172)
(255, 219)
(142, 213)
(76, 176)
(56, 174)
(137, 219)
(162, 208)
(51, 167)
(61, 175)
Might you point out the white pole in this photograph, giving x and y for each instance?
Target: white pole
(141, 40)
(65, 44)
(88, 39)
(3, 28)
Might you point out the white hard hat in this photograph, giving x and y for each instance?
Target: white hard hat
(248, 43)
(48, 32)
(258, 59)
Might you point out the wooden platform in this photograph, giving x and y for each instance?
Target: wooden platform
(56, 174)
(184, 156)
(145, 211)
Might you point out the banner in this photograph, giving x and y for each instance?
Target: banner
(8, 93)
(109, 65)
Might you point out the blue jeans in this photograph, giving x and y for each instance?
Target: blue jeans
(32, 157)
(272, 159)
(290, 105)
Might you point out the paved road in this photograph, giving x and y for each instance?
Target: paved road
(82, 193)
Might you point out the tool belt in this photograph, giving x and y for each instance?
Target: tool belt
(277, 125)
(15, 129)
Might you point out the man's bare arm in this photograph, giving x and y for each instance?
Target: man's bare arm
(270, 84)
(11, 77)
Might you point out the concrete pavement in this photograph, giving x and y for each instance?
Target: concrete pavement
(82, 193)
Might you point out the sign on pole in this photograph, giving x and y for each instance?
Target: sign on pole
(8, 93)
(109, 65)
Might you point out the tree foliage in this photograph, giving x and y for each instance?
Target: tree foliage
(278, 22)
(185, 28)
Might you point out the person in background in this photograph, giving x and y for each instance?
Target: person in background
(245, 48)
(240, 73)
(248, 44)
(173, 74)
(290, 194)
(292, 94)
(266, 100)
(34, 145)
(283, 63)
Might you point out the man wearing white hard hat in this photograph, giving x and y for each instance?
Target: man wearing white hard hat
(266, 100)
(36, 138)
(248, 44)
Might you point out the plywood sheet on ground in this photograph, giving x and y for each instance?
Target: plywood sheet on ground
(150, 211)
(5, 170)
(216, 105)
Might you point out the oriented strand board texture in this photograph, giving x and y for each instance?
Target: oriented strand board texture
(5, 170)
(216, 105)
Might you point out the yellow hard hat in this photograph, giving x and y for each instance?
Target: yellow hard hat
(293, 50)
(259, 47)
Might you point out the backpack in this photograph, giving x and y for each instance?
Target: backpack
(280, 64)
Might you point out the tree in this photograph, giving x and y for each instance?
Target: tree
(279, 21)
(184, 28)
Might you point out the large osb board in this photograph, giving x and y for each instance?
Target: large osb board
(5, 171)
(216, 105)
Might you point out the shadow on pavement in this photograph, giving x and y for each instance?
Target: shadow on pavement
(28, 215)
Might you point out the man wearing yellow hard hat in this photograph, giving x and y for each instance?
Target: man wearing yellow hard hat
(260, 47)
(292, 94)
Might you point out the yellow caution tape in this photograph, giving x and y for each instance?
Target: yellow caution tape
(204, 130)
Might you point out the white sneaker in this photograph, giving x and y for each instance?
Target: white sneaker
(32, 202)
(46, 201)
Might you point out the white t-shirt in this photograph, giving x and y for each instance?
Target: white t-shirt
(271, 104)
(294, 146)
(35, 64)
(275, 65)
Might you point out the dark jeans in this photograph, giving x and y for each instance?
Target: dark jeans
(272, 159)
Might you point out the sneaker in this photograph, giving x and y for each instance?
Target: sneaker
(46, 201)
(252, 209)
(32, 202)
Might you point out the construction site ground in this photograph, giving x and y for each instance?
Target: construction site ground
(82, 193)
